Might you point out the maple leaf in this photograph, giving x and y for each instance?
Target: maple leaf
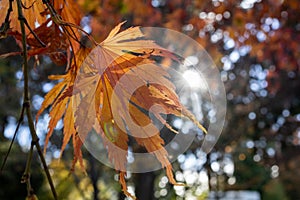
(115, 86)
(35, 12)
(57, 34)
(32, 11)
(108, 93)
(62, 106)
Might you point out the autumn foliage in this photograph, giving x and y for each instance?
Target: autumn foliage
(53, 29)
(91, 41)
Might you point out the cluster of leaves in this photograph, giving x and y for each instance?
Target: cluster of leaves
(54, 30)
(268, 30)
(263, 33)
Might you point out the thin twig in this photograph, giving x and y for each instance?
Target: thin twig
(30, 29)
(13, 139)
(26, 175)
(34, 34)
(26, 104)
(5, 25)
(57, 19)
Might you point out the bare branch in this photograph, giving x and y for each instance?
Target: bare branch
(26, 104)
(13, 139)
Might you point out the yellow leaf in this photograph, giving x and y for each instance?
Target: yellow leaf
(69, 129)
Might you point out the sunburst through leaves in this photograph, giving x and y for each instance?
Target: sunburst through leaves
(110, 93)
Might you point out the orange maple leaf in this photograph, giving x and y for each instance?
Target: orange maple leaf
(32, 11)
(116, 82)
(62, 106)
(58, 34)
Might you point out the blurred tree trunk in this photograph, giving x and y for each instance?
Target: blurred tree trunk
(94, 174)
(144, 186)
(2, 127)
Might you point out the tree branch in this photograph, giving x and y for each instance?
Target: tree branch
(13, 139)
(5, 26)
(26, 104)
(57, 19)
(26, 175)
(34, 34)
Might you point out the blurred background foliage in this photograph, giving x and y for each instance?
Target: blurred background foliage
(256, 46)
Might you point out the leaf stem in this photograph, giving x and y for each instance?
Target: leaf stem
(26, 103)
